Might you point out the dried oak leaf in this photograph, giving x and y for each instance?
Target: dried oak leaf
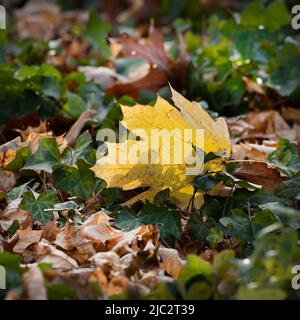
(117, 286)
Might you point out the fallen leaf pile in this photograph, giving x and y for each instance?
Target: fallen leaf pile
(94, 252)
(258, 133)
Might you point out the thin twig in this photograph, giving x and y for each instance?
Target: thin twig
(75, 130)
(91, 200)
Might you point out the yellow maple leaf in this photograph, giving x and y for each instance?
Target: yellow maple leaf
(159, 158)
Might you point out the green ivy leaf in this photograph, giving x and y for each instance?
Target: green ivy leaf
(215, 237)
(254, 15)
(205, 183)
(79, 182)
(37, 206)
(274, 16)
(127, 220)
(17, 192)
(46, 157)
(74, 106)
(60, 291)
(199, 228)
(22, 155)
(97, 31)
(284, 76)
(241, 226)
(277, 16)
(286, 215)
(286, 158)
(11, 263)
(82, 150)
(167, 219)
(195, 266)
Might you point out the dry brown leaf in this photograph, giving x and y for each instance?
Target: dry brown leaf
(139, 9)
(153, 80)
(9, 216)
(171, 262)
(50, 230)
(238, 126)
(41, 128)
(77, 127)
(33, 283)
(132, 262)
(105, 76)
(140, 239)
(253, 86)
(7, 154)
(6, 157)
(34, 139)
(251, 151)
(70, 239)
(97, 228)
(99, 277)
(38, 20)
(209, 255)
(27, 238)
(109, 262)
(42, 20)
(162, 68)
(47, 253)
(291, 114)
(262, 148)
(259, 173)
(151, 279)
(262, 124)
(153, 51)
(117, 286)
(269, 123)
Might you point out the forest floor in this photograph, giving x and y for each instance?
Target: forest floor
(76, 225)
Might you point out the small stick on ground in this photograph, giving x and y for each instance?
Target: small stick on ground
(75, 130)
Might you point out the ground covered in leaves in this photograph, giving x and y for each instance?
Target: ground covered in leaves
(67, 68)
